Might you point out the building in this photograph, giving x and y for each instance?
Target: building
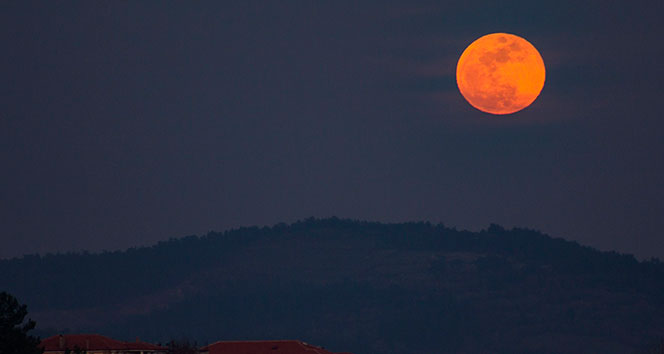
(263, 347)
(97, 344)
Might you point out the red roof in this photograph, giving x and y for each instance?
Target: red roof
(264, 347)
(93, 342)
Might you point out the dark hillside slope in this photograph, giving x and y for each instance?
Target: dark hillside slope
(355, 286)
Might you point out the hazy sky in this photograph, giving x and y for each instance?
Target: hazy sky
(128, 122)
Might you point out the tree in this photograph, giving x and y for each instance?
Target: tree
(182, 346)
(14, 337)
(76, 350)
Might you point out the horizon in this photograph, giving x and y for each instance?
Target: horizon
(323, 219)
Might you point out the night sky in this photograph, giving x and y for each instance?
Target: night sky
(128, 122)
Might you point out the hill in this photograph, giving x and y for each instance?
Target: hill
(355, 286)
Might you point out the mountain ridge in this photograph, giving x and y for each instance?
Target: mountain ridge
(355, 286)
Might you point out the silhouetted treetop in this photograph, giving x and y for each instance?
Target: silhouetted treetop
(14, 336)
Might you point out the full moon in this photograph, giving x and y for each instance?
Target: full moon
(500, 73)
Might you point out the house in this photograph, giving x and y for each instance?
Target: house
(263, 347)
(97, 344)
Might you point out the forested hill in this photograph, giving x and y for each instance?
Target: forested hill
(355, 286)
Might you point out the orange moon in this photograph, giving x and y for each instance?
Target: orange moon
(500, 73)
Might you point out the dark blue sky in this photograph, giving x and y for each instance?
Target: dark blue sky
(125, 123)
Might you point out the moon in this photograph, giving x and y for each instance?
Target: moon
(500, 73)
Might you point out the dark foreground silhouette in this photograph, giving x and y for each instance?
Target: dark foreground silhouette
(355, 286)
(15, 328)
